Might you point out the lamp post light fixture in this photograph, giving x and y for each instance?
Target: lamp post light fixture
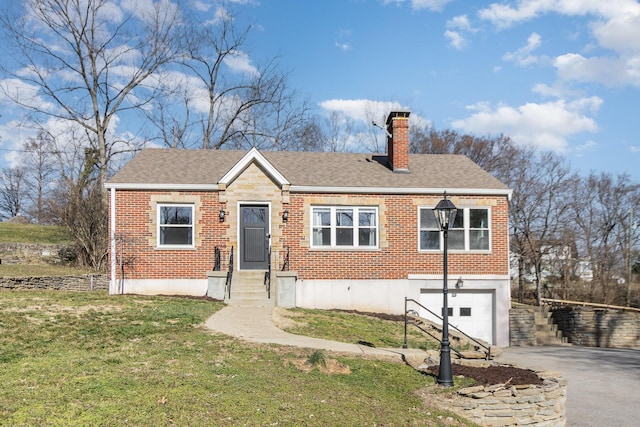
(445, 212)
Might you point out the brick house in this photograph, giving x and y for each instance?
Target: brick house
(356, 231)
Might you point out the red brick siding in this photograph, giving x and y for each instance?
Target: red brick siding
(397, 257)
(135, 223)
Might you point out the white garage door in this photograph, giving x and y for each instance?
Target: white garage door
(471, 311)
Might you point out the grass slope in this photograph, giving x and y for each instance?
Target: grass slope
(11, 232)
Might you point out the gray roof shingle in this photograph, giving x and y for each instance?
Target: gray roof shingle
(157, 166)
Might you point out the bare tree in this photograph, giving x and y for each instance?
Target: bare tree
(39, 163)
(309, 137)
(12, 191)
(538, 212)
(84, 61)
(490, 153)
(600, 207)
(77, 201)
(218, 98)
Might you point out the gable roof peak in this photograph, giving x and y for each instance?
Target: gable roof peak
(253, 156)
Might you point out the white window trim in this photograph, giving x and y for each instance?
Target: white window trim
(333, 227)
(159, 207)
(466, 210)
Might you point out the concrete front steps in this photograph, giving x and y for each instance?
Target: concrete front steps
(248, 290)
(547, 332)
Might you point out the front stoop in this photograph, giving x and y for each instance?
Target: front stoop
(248, 290)
(547, 332)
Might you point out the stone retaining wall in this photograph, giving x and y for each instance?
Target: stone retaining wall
(522, 327)
(521, 405)
(595, 327)
(17, 253)
(84, 282)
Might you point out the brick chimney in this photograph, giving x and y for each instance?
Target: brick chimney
(398, 141)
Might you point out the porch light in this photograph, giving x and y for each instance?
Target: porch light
(221, 215)
(285, 216)
(445, 213)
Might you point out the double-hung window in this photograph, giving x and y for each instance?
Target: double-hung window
(344, 227)
(470, 230)
(175, 225)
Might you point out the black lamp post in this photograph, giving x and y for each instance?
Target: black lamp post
(445, 212)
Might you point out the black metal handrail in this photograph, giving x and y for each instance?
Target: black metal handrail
(487, 349)
(267, 274)
(285, 264)
(216, 259)
(229, 274)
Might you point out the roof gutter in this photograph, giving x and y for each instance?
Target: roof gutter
(146, 186)
(320, 189)
(403, 190)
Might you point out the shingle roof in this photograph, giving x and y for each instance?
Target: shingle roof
(156, 166)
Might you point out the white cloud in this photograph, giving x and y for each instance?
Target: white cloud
(588, 146)
(434, 5)
(15, 90)
(341, 41)
(239, 62)
(220, 15)
(557, 90)
(456, 40)
(361, 110)
(460, 22)
(546, 125)
(608, 70)
(457, 27)
(146, 10)
(621, 33)
(503, 15)
(366, 110)
(615, 26)
(523, 56)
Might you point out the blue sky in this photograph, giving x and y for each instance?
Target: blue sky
(563, 75)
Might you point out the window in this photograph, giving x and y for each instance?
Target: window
(465, 311)
(469, 231)
(175, 225)
(344, 227)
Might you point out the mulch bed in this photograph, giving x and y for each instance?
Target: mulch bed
(493, 375)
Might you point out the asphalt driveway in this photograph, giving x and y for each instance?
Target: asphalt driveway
(604, 383)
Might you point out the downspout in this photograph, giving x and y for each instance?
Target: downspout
(112, 239)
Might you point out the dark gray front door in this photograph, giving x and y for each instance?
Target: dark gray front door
(254, 228)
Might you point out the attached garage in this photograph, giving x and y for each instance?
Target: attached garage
(471, 311)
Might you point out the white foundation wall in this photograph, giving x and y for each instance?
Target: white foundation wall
(388, 296)
(195, 287)
(381, 296)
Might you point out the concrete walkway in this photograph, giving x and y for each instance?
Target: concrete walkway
(256, 324)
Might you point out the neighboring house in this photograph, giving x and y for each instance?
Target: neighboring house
(358, 229)
(555, 260)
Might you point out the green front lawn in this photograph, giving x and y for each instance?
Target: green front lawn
(353, 328)
(86, 358)
(40, 270)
